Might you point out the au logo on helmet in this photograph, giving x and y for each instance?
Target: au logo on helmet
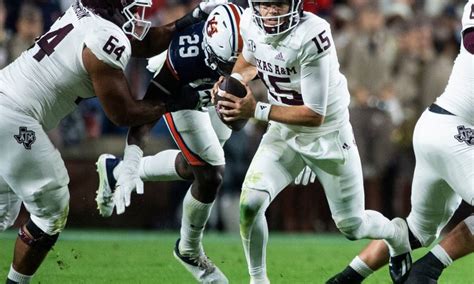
(211, 26)
(222, 41)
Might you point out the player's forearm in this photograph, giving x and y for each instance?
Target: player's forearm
(295, 115)
(136, 113)
(139, 135)
(245, 69)
(156, 41)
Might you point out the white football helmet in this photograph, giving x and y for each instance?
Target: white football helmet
(222, 41)
(136, 25)
(285, 22)
(127, 14)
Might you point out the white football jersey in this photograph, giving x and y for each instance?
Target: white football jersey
(48, 80)
(458, 97)
(279, 61)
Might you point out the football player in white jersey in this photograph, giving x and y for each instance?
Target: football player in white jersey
(443, 142)
(81, 56)
(293, 54)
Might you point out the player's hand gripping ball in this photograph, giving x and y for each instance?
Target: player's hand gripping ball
(236, 88)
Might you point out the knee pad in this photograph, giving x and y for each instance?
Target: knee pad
(470, 223)
(35, 237)
(252, 203)
(350, 227)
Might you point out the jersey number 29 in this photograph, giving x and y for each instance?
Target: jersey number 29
(188, 45)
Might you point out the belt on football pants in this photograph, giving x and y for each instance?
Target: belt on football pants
(437, 109)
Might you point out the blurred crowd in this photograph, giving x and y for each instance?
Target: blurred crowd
(396, 54)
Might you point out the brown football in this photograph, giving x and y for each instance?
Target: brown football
(234, 87)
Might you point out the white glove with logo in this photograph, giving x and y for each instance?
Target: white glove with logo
(128, 179)
(305, 177)
(209, 5)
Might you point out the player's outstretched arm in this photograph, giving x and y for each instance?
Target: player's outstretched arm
(111, 87)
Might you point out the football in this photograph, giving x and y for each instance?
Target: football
(234, 87)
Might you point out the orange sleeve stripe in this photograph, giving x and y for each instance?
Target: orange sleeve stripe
(192, 158)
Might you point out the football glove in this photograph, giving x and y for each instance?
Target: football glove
(305, 177)
(189, 97)
(128, 179)
(156, 62)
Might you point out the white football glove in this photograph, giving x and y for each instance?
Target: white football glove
(128, 179)
(156, 62)
(208, 5)
(305, 177)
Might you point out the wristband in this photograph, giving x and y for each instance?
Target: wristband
(237, 76)
(262, 111)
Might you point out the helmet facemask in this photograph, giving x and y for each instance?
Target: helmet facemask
(216, 63)
(222, 41)
(136, 25)
(283, 22)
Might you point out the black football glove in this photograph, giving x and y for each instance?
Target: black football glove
(195, 98)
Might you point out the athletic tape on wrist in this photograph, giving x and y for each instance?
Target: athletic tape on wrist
(262, 111)
(237, 76)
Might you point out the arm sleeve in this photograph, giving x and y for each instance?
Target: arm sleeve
(315, 84)
(315, 70)
(110, 45)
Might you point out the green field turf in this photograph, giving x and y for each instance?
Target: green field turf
(146, 257)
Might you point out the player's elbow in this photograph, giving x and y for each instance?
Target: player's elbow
(317, 121)
(119, 121)
(122, 119)
(310, 117)
(314, 120)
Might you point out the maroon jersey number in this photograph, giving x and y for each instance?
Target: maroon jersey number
(49, 41)
(271, 82)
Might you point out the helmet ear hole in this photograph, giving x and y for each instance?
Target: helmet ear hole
(222, 40)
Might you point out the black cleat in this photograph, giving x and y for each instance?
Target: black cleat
(399, 267)
(426, 270)
(348, 276)
(418, 278)
(201, 267)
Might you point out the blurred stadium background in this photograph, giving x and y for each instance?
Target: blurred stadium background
(397, 56)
